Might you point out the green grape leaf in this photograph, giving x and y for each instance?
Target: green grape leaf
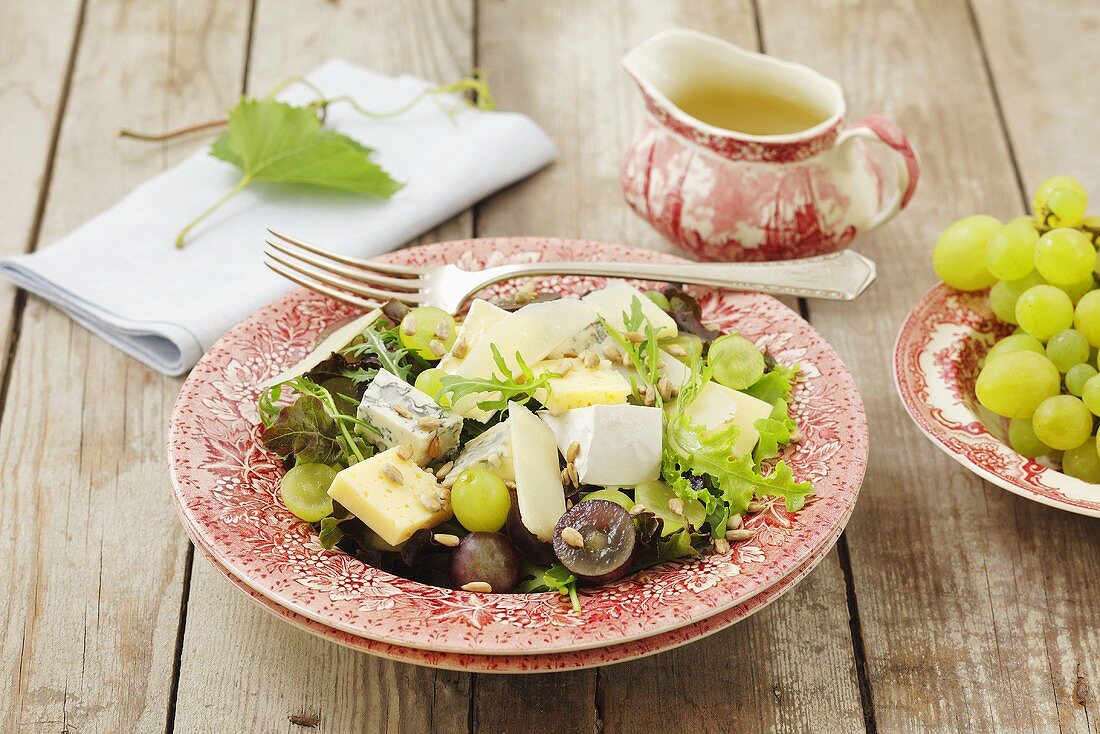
(274, 141)
(304, 429)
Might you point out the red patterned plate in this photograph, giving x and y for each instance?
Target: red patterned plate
(935, 367)
(549, 663)
(226, 485)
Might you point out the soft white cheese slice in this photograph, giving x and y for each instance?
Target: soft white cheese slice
(334, 342)
(620, 445)
(481, 317)
(532, 331)
(613, 301)
(401, 414)
(716, 406)
(539, 492)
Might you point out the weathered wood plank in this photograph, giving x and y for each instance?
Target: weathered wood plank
(560, 63)
(95, 552)
(962, 616)
(283, 671)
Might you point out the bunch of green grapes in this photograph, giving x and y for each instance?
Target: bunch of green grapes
(1041, 272)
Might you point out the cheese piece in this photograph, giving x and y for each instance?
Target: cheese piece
(491, 450)
(675, 370)
(481, 317)
(334, 342)
(401, 414)
(540, 496)
(580, 386)
(393, 509)
(614, 302)
(532, 331)
(591, 337)
(716, 406)
(620, 445)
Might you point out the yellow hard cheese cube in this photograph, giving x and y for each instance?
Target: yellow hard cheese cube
(392, 496)
(580, 386)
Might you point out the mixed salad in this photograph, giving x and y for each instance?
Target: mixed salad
(536, 444)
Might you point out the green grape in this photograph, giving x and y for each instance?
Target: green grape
(959, 257)
(304, 490)
(1014, 384)
(736, 361)
(610, 494)
(1077, 376)
(1064, 256)
(1067, 348)
(1002, 301)
(1083, 463)
(429, 331)
(1086, 317)
(659, 298)
(1010, 254)
(1043, 311)
(1076, 291)
(1090, 395)
(690, 343)
(1021, 436)
(1015, 343)
(430, 381)
(480, 500)
(1062, 422)
(1060, 202)
(655, 496)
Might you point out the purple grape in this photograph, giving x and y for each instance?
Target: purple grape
(526, 543)
(485, 557)
(596, 541)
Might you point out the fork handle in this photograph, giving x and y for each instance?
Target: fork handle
(839, 276)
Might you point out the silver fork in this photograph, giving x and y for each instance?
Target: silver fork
(841, 276)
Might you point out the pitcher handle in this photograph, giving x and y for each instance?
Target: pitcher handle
(885, 131)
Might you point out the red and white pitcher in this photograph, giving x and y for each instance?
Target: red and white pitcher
(728, 195)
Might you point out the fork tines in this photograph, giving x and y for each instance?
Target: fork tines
(359, 282)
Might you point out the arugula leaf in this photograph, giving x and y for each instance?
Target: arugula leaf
(277, 142)
(501, 389)
(304, 430)
(556, 578)
(383, 345)
(776, 384)
(644, 355)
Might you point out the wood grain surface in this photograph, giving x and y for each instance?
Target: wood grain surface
(949, 604)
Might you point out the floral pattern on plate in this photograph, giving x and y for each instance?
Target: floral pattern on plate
(226, 485)
(936, 363)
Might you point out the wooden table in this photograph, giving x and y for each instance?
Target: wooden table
(948, 604)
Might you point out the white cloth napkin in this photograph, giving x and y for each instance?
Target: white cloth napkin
(121, 276)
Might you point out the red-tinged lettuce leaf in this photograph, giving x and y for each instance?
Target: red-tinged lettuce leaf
(686, 312)
(304, 430)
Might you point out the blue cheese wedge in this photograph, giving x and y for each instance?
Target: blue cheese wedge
(540, 496)
(580, 386)
(400, 414)
(392, 496)
(617, 445)
(717, 406)
(491, 450)
(591, 337)
(614, 301)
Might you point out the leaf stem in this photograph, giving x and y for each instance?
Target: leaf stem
(171, 134)
(245, 180)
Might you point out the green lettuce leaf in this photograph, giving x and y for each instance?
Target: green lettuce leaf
(776, 384)
(556, 578)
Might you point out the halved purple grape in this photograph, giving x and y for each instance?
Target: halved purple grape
(596, 541)
(488, 558)
(527, 543)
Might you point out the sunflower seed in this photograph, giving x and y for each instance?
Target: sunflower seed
(435, 448)
(402, 411)
(591, 360)
(574, 477)
(613, 354)
(572, 537)
(676, 350)
(664, 387)
(509, 484)
(721, 546)
(734, 522)
(437, 347)
(427, 423)
(460, 348)
(565, 476)
(444, 470)
(740, 534)
(408, 325)
(635, 336)
(392, 473)
(756, 506)
(638, 509)
(430, 502)
(650, 397)
(569, 354)
(572, 452)
(443, 330)
(478, 587)
(676, 506)
(405, 451)
(446, 539)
